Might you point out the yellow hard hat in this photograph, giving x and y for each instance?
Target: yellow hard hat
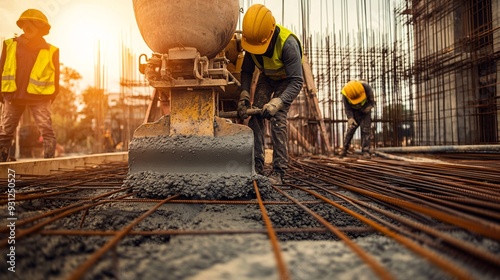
(354, 91)
(36, 18)
(258, 29)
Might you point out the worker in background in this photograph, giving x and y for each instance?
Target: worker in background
(359, 101)
(108, 141)
(30, 79)
(277, 53)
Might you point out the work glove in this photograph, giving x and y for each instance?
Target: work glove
(351, 123)
(272, 107)
(368, 109)
(243, 104)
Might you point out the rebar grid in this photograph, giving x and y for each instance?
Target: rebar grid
(419, 205)
(433, 65)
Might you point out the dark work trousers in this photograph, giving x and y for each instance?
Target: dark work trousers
(267, 89)
(41, 113)
(365, 122)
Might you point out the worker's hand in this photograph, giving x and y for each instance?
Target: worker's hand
(243, 104)
(351, 123)
(270, 109)
(368, 109)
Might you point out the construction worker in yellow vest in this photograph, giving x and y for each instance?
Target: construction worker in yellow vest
(30, 79)
(277, 53)
(358, 100)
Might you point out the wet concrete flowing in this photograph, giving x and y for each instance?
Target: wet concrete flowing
(193, 166)
(149, 184)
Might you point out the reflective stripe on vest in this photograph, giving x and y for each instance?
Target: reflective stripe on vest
(42, 77)
(273, 66)
(9, 69)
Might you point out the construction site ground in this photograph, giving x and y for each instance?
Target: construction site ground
(426, 216)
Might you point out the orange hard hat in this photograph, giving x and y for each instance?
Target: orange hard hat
(36, 18)
(258, 28)
(354, 91)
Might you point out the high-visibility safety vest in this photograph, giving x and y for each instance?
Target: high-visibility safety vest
(273, 66)
(42, 77)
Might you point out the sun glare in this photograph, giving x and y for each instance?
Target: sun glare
(80, 30)
(86, 23)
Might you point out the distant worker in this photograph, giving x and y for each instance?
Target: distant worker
(108, 141)
(277, 53)
(30, 78)
(359, 101)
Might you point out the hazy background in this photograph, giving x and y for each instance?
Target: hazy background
(80, 26)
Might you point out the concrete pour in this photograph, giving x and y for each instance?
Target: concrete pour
(199, 257)
(241, 256)
(193, 166)
(149, 184)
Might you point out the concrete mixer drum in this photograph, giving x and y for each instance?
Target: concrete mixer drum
(206, 25)
(190, 151)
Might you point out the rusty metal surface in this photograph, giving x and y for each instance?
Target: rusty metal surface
(446, 214)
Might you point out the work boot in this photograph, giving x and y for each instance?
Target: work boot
(366, 155)
(275, 178)
(4, 154)
(343, 153)
(49, 149)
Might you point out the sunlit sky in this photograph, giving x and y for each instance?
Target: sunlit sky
(78, 26)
